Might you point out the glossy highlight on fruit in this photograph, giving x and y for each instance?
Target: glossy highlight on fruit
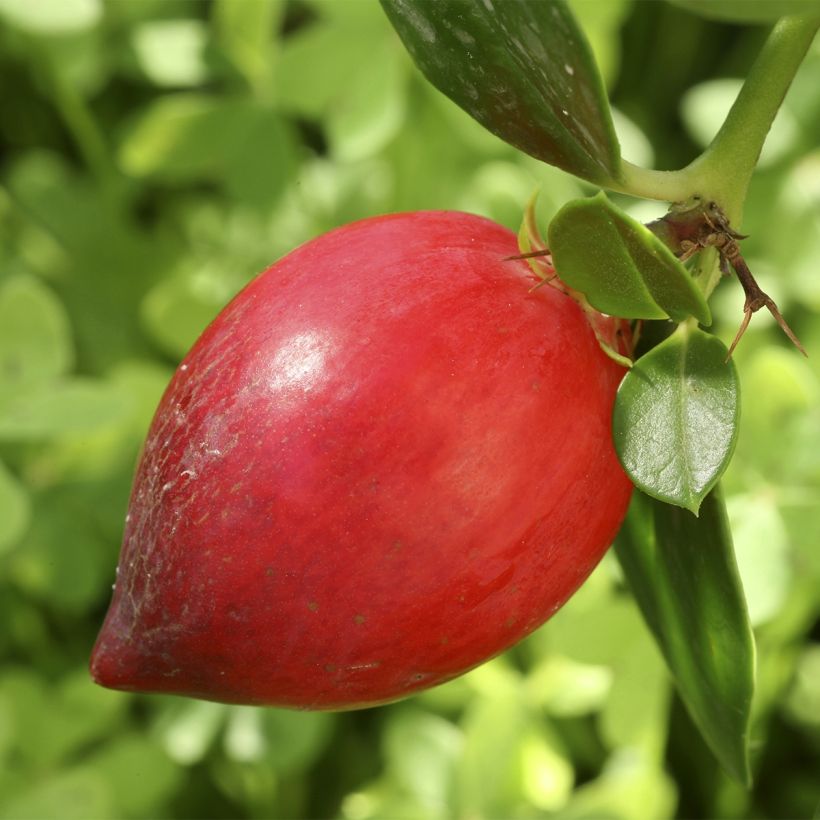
(387, 460)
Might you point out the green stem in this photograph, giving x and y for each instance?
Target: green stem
(728, 163)
(722, 173)
(79, 120)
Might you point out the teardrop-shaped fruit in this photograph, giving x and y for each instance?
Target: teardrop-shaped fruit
(387, 460)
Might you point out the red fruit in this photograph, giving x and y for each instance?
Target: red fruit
(387, 460)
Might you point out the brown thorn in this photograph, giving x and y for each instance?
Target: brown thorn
(772, 307)
(547, 281)
(747, 317)
(755, 300)
(530, 255)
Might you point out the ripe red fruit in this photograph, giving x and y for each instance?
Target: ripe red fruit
(384, 462)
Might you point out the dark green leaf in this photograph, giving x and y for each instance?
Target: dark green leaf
(619, 265)
(682, 571)
(675, 419)
(524, 70)
(748, 11)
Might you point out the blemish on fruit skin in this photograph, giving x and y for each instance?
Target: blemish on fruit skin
(313, 606)
(359, 619)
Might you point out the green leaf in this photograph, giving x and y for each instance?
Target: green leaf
(35, 337)
(421, 751)
(70, 406)
(682, 571)
(675, 418)
(524, 70)
(763, 553)
(140, 796)
(72, 794)
(186, 137)
(621, 267)
(48, 17)
(284, 741)
(172, 52)
(245, 33)
(748, 11)
(15, 508)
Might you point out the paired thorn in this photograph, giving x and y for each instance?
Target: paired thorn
(721, 237)
(755, 300)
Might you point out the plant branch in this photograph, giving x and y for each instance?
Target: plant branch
(732, 156)
(722, 173)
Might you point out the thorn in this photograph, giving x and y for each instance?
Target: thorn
(752, 306)
(772, 307)
(756, 299)
(530, 255)
(747, 317)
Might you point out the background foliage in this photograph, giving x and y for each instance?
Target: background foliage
(155, 155)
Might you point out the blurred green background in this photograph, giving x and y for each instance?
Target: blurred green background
(154, 156)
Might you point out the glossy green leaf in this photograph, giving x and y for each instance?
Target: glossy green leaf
(621, 267)
(675, 419)
(748, 11)
(524, 70)
(682, 571)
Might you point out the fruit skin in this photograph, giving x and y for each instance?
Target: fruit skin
(387, 460)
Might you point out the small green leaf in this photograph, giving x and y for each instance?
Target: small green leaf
(675, 419)
(524, 70)
(35, 337)
(682, 571)
(748, 11)
(621, 267)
